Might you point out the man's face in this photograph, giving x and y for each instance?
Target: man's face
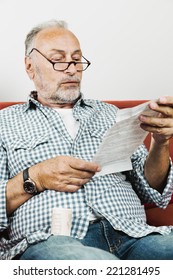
(55, 87)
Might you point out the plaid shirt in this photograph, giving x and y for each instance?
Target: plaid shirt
(31, 133)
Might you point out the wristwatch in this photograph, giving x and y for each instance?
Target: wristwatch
(29, 185)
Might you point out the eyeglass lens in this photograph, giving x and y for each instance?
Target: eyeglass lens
(80, 66)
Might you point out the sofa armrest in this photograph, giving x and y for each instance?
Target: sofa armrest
(160, 217)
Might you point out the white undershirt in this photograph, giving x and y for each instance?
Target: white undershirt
(70, 123)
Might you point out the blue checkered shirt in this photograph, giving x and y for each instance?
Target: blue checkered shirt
(31, 133)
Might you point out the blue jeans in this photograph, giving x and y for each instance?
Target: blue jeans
(102, 242)
(151, 247)
(64, 248)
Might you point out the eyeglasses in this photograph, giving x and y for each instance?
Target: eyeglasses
(62, 66)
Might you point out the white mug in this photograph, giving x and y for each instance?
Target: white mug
(61, 221)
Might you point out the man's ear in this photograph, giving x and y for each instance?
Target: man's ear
(29, 67)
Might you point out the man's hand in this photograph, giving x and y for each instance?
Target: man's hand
(157, 163)
(63, 173)
(162, 125)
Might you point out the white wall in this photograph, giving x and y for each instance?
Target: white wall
(129, 42)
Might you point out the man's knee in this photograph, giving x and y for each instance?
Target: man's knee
(64, 248)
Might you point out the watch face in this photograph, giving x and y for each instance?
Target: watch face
(30, 187)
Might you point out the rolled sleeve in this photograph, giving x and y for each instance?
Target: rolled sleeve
(145, 192)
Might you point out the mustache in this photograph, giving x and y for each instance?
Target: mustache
(70, 80)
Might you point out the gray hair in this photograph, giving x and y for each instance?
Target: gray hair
(35, 30)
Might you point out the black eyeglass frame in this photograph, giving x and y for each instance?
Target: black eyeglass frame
(62, 62)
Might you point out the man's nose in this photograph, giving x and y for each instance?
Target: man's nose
(71, 68)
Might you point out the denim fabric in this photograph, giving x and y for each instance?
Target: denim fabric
(64, 248)
(113, 244)
(151, 247)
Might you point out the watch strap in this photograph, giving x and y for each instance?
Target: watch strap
(26, 174)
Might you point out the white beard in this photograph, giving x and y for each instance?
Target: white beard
(67, 96)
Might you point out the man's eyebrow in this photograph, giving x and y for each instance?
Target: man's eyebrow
(77, 51)
(64, 52)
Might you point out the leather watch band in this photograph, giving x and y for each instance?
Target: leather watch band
(26, 174)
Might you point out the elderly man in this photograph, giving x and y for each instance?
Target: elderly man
(46, 150)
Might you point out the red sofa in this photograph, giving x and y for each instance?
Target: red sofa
(155, 216)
